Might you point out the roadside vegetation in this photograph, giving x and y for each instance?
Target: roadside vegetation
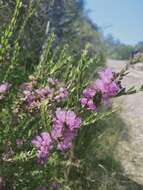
(56, 130)
(120, 51)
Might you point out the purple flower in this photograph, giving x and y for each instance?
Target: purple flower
(88, 94)
(88, 102)
(66, 143)
(107, 75)
(4, 87)
(101, 85)
(43, 143)
(101, 90)
(26, 86)
(53, 82)
(28, 95)
(29, 98)
(113, 89)
(43, 93)
(19, 143)
(107, 89)
(33, 97)
(84, 101)
(61, 94)
(64, 128)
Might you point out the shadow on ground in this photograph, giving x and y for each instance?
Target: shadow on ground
(96, 151)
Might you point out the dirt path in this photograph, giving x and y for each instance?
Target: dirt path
(130, 147)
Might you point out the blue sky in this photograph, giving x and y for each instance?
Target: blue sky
(124, 18)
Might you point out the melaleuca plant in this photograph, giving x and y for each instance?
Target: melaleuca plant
(43, 117)
(44, 112)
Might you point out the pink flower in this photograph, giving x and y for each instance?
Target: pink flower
(101, 85)
(19, 143)
(64, 128)
(65, 141)
(89, 91)
(88, 94)
(84, 101)
(91, 105)
(107, 89)
(43, 143)
(4, 87)
(29, 98)
(107, 75)
(113, 89)
(53, 82)
(43, 93)
(33, 97)
(101, 90)
(61, 94)
(26, 86)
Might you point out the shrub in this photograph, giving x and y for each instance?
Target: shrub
(46, 110)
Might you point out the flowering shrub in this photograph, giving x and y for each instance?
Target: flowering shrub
(45, 111)
(65, 122)
(56, 116)
(32, 97)
(101, 90)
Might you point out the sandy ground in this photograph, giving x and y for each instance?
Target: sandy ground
(130, 147)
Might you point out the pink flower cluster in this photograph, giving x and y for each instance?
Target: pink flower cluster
(66, 122)
(33, 97)
(64, 128)
(100, 90)
(65, 125)
(60, 93)
(4, 88)
(43, 143)
(107, 83)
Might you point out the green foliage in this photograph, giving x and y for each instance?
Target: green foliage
(117, 50)
(17, 163)
(9, 30)
(139, 46)
(19, 170)
(65, 19)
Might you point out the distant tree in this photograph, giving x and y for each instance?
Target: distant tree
(65, 18)
(117, 50)
(139, 46)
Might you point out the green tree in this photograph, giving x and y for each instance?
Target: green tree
(65, 18)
